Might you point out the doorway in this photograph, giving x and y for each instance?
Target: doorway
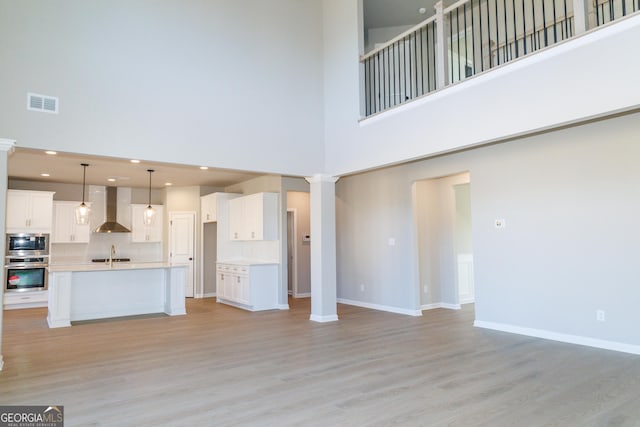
(298, 244)
(442, 209)
(181, 245)
(292, 282)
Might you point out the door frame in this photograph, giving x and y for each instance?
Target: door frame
(193, 249)
(294, 240)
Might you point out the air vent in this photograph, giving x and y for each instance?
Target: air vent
(42, 103)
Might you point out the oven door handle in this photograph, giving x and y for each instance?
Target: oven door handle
(24, 266)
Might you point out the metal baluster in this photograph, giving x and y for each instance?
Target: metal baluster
(515, 27)
(566, 20)
(481, 42)
(506, 34)
(458, 39)
(433, 37)
(555, 31)
(533, 32)
(415, 63)
(422, 60)
(451, 38)
(394, 74)
(544, 24)
(473, 41)
(466, 58)
(497, 36)
(524, 29)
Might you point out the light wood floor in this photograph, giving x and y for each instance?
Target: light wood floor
(220, 366)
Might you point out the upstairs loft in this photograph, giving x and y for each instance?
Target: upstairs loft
(480, 35)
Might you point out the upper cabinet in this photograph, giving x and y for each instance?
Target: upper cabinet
(29, 211)
(208, 211)
(65, 229)
(254, 217)
(210, 204)
(142, 233)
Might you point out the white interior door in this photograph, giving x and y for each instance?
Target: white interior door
(181, 244)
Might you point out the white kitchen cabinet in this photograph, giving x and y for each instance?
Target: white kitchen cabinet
(254, 217)
(65, 229)
(29, 211)
(29, 299)
(208, 211)
(253, 287)
(142, 233)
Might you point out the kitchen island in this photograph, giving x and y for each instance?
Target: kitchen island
(99, 291)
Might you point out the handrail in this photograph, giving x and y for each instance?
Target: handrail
(399, 37)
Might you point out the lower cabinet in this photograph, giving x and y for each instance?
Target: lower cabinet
(252, 287)
(28, 299)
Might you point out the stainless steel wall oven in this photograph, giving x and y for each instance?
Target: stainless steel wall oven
(26, 262)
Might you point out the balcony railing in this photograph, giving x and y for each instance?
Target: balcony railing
(478, 35)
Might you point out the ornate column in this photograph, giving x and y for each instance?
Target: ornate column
(323, 248)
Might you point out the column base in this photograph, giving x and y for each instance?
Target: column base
(323, 319)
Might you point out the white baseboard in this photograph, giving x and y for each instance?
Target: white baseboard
(555, 336)
(1, 363)
(379, 307)
(305, 295)
(441, 305)
(324, 319)
(283, 306)
(464, 301)
(209, 295)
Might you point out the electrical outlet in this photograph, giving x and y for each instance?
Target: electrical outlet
(362, 287)
(600, 316)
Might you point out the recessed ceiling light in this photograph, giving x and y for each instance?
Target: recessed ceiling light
(422, 10)
(204, 168)
(45, 175)
(111, 179)
(53, 153)
(135, 161)
(168, 184)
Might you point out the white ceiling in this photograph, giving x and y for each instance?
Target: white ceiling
(65, 168)
(394, 13)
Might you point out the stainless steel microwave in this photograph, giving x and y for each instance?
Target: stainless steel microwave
(27, 244)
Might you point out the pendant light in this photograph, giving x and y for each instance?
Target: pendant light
(82, 210)
(149, 213)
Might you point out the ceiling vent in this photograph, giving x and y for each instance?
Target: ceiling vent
(42, 103)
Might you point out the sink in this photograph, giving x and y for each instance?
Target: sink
(113, 260)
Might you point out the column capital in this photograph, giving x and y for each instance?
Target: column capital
(321, 178)
(7, 144)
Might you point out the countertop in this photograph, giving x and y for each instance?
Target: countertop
(117, 266)
(246, 262)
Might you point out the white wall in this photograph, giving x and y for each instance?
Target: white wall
(232, 83)
(550, 88)
(569, 248)
(383, 35)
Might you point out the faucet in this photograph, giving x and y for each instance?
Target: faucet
(112, 252)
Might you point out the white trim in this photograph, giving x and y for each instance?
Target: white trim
(283, 306)
(556, 336)
(294, 255)
(7, 144)
(323, 319)
(321, 178)
(379, 307)
(209, 295)
(1, 363)
(304, 295)
(440, 305)
(469, 300)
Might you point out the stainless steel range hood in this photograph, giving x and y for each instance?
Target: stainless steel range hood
(111, 225)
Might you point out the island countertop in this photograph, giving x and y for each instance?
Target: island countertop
(116, 266)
